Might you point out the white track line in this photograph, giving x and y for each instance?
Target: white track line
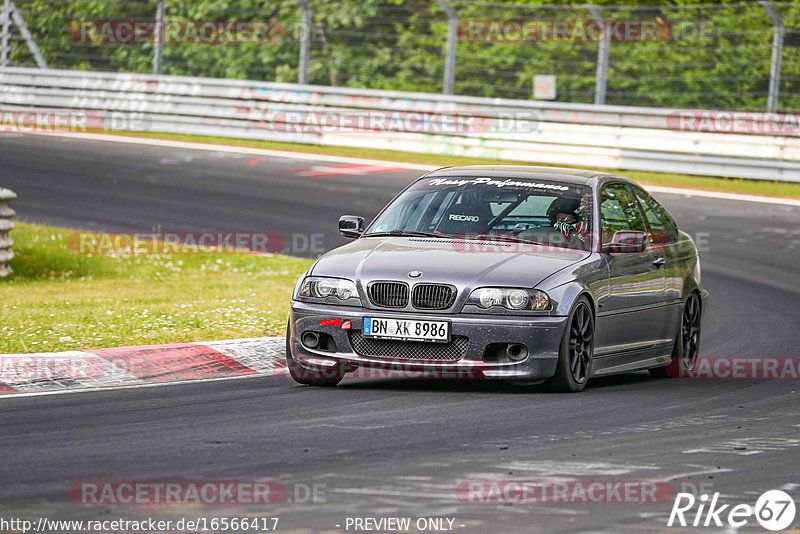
(411, 166)
(240, 150)
(723, 196)
(10, 396)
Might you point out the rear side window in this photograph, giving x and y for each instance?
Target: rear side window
(618, 211)
(662, 227)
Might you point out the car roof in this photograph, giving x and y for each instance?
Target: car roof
(558, 174)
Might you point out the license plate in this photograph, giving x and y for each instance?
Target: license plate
(409, 330)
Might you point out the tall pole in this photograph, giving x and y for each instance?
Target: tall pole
(305, 42)
(777, 56)
(16, 17)
(601, 79)
(450, 53)
(158, 51)
(5, 44)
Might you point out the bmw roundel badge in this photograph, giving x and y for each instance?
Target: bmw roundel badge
(415, 274)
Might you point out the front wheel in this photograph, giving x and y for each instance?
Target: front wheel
(309, 377)
(576, 350)
(687, 342)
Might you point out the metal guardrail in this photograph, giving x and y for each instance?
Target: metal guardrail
(6, 213)
(613, 137)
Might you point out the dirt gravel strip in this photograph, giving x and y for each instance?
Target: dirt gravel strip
(130, 366)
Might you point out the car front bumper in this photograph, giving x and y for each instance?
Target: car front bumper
(541, 335)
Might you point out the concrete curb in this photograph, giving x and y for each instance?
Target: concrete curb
(130, 366)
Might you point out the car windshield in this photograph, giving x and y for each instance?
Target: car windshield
(520, 209)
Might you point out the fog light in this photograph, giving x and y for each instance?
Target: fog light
(311, 340)
(517, 352)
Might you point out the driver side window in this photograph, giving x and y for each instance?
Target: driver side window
(618, 211)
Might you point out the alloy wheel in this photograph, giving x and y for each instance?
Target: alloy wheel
(581, 343)
(690, 331)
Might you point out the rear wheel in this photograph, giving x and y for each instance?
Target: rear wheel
(687, 342)
(576, 350)
(310, 377)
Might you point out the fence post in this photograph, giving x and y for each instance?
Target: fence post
(601, 79)
(6, 213)
(777, 55)
(158, 50)
(305, 42)
(23, 30)
(5, 45)
(450, 54)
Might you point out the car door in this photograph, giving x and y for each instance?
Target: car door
(665, 239)
(633, 309)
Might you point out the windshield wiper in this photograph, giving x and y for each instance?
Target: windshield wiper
(405, 233)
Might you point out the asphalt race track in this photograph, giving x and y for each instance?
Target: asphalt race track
(389, 448)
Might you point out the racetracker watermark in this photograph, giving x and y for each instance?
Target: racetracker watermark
(742, 368)
(392, 370)
(741, 122)
(137, 32)
(528, 242)
(70, 120)
(564, 31)
(549, 240)
(568, 492)
(463, 122)
(375, 121)
(117, 244)
(209, 492)
(35, 367)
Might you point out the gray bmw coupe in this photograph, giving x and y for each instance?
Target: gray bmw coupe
(526, 274)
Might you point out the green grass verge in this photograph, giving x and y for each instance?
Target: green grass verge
(704, 183)
(59, 300)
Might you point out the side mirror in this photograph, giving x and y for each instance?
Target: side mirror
(627, 241)
(351, 225)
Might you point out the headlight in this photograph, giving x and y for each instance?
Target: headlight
(489, 297)
(517, 299)
(510, 298)
(322, 288)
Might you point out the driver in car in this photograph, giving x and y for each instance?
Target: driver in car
(564, 218)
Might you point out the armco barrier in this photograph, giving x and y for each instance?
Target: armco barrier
(6, 213)
(614, 137)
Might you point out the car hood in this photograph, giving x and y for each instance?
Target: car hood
(464, 263)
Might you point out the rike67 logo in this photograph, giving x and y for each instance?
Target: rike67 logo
(774, 510)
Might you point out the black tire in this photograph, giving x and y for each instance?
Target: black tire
(687, 342)
(576, 351)
(309, 377)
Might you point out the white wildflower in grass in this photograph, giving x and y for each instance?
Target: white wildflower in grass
(81, 303)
